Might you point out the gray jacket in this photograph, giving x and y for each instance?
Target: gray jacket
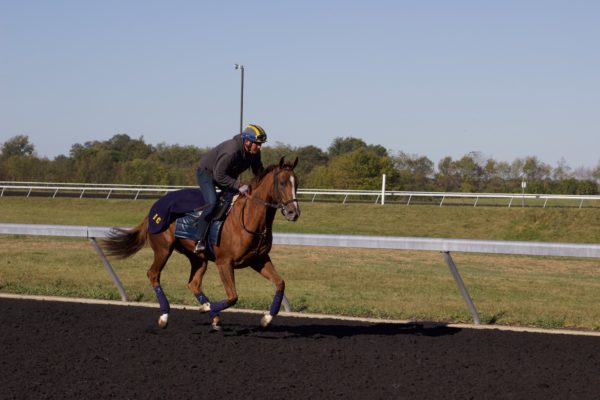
(228, 160)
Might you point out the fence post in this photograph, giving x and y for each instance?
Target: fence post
(383, 190)
(461, 287)
(110, 270)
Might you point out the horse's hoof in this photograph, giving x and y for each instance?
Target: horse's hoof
(266, 320)
(205, 307)
(163, 320)
(216, 326)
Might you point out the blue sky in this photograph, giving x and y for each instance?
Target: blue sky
(433, 78)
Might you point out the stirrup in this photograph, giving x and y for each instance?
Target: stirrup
(200, 247)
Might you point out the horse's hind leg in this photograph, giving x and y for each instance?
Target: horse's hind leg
(267, 269)
(162, 248)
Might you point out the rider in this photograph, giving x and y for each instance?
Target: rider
(222, 165)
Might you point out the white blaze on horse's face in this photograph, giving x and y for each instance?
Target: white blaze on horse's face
(290, 209)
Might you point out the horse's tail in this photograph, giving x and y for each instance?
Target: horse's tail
(123, 243)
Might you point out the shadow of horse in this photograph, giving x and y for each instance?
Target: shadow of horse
(324, 330)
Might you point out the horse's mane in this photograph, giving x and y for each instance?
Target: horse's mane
(256, 180)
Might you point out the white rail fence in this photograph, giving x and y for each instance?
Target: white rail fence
(444, 246)
(376, 196)
(28, 189)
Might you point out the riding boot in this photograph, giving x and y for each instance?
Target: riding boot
(203, 226)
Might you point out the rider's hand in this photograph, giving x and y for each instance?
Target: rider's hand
(243, 189)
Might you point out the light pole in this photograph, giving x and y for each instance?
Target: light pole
(241, 67)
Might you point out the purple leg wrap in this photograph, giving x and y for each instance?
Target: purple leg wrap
(202, 298)
(217, 307)
(162, 300)
(276, 305)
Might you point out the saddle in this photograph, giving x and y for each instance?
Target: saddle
(185, 207)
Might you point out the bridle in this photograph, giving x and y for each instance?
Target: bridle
(278, 205)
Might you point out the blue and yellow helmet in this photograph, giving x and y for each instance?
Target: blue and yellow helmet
(255, 134)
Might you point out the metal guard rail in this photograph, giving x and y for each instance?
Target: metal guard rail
(553, 249)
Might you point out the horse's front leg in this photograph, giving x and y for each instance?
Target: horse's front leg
(199, 265)
(226, 272)
(267, 269)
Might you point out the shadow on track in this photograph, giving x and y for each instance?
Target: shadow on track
(317, 331)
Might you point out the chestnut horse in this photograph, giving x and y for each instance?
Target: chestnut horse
(246, 239)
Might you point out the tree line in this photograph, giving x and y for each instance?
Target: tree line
(348, 163)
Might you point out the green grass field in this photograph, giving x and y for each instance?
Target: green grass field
(512, 290)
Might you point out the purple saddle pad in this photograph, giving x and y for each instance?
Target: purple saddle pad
(172, 206)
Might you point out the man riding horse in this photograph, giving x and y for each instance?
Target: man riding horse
(246, 234)
(222, 166)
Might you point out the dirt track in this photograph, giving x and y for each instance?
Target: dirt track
(52, 350)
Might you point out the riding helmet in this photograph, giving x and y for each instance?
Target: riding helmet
(255, 134)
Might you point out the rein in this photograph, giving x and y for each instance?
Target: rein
(280, 204)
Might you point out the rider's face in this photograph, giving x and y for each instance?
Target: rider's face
(253, 148)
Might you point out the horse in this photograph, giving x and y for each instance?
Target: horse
(245, 241)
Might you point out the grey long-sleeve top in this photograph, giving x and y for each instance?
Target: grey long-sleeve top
(228, 160)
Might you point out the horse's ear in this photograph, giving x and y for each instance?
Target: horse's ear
(295, 163)
(282, 162)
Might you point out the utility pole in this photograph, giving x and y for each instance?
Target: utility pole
(241, 67)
